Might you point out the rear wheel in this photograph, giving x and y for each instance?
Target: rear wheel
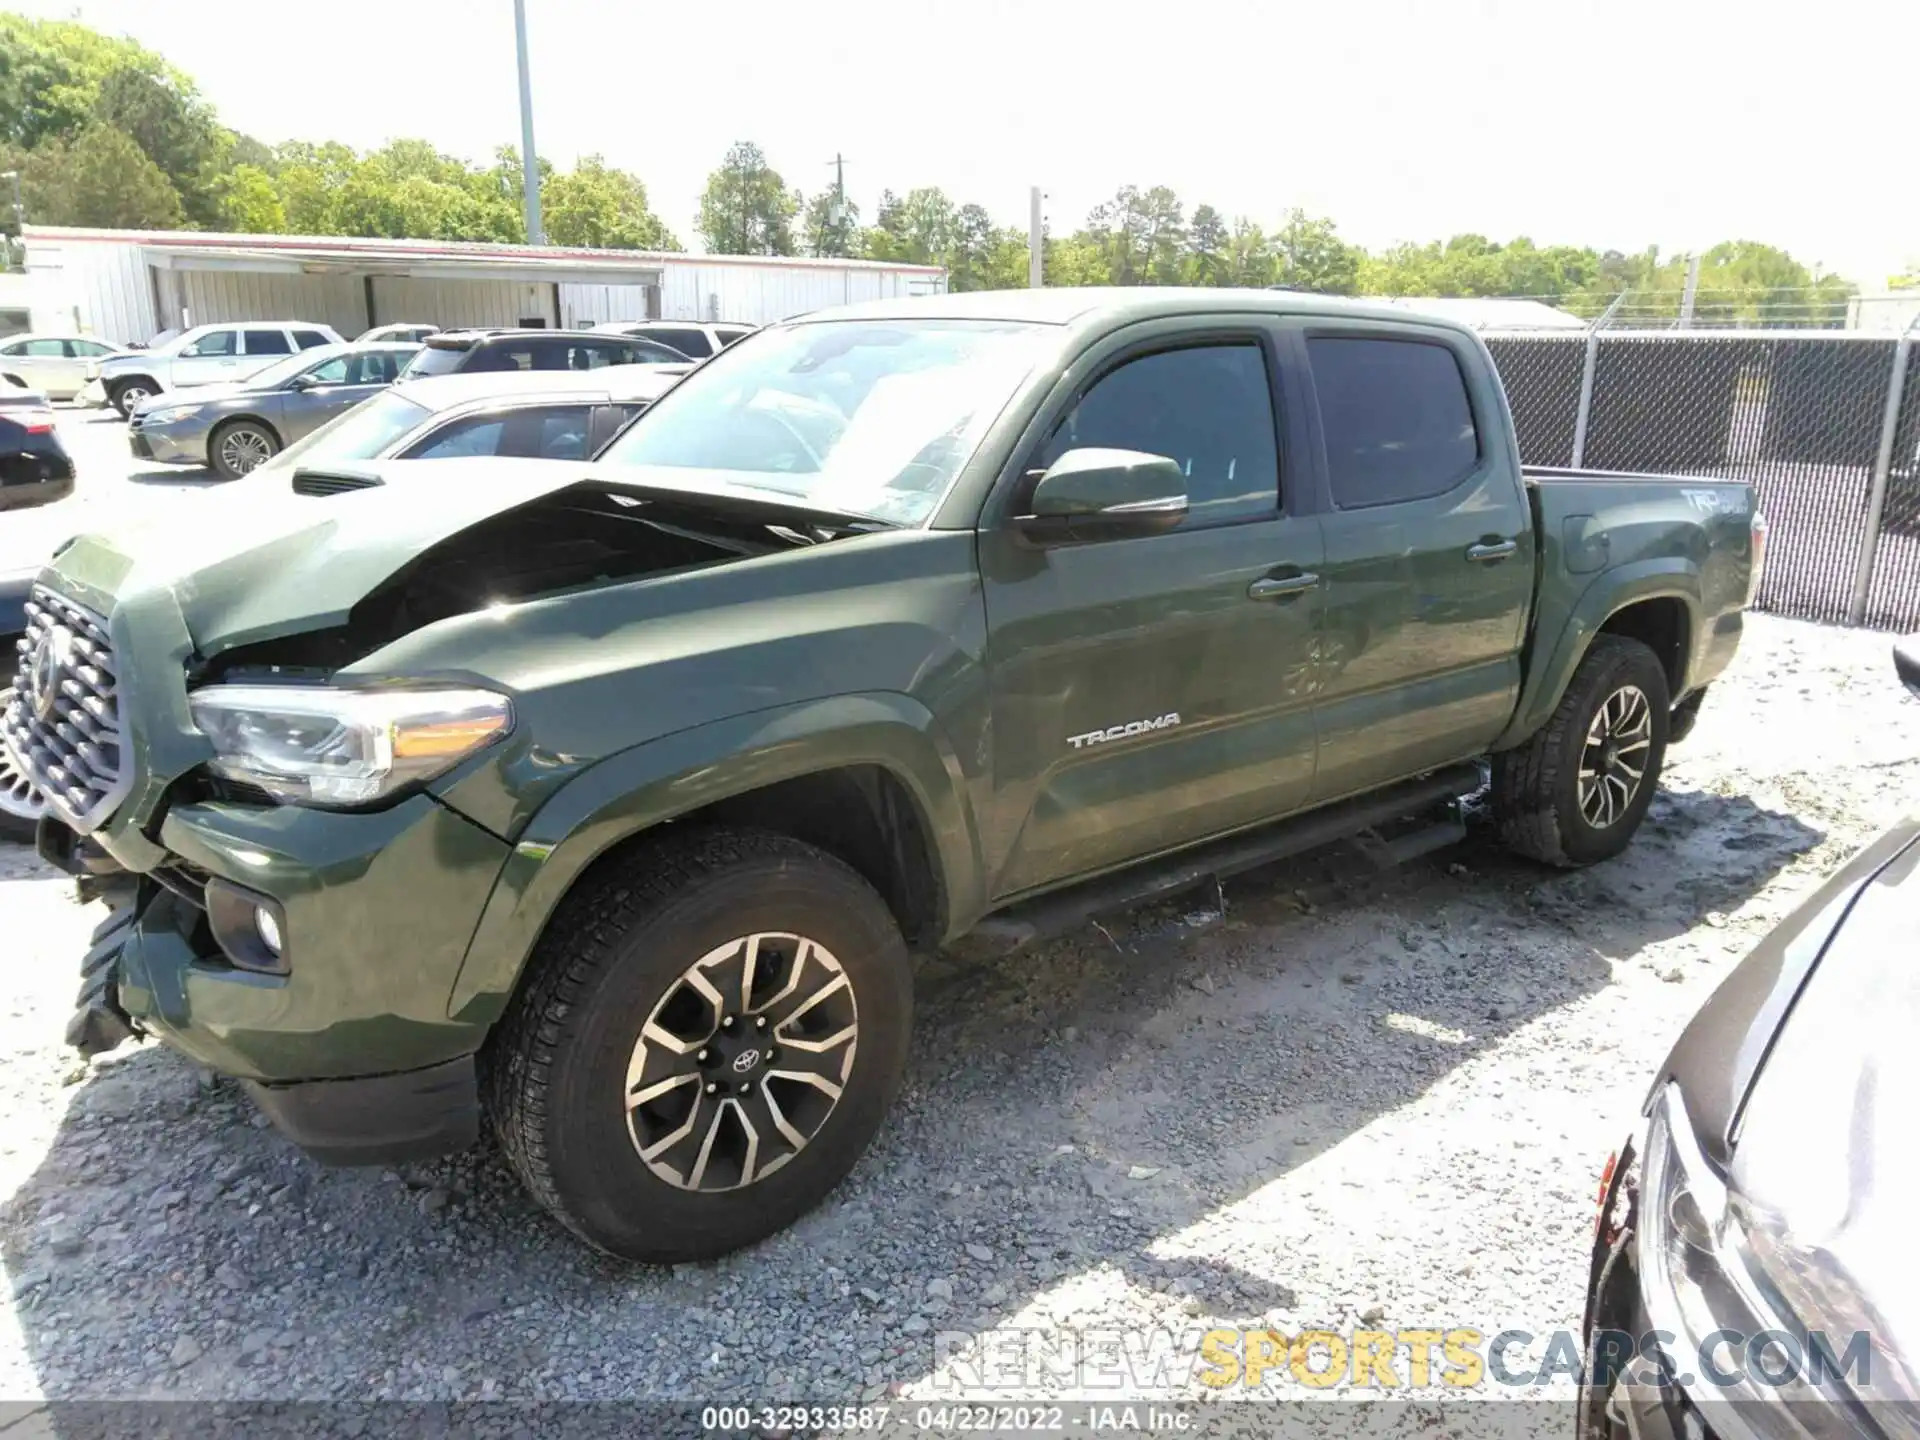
(711, 1032)
(240, 447)
(20, 805)
(128, 395)
(1577, 791)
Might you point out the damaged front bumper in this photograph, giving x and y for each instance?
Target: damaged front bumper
(346, 1042)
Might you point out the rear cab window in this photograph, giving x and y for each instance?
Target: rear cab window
(1395, 417)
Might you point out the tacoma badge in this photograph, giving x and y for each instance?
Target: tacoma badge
(1123, 732)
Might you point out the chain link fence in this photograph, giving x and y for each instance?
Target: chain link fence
(1810, 419)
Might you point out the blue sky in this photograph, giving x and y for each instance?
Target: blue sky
(1620, 124)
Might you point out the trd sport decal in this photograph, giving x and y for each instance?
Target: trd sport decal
(1123, 732)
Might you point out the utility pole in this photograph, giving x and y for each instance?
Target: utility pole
(1036, 240)
(20, 223)
(529, 165)
(1687, 295)
(837, 211)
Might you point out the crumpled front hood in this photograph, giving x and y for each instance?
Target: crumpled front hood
(252, 561)
(1825, 1170)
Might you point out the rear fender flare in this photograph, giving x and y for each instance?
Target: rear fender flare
(1556, 657)
(654, 783)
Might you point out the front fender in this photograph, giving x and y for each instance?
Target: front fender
(653, 783)
(1558, 649)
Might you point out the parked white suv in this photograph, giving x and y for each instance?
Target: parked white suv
(693, 340)
(204, 355)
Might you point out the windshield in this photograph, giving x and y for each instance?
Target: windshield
(362, 433)
(864, 417)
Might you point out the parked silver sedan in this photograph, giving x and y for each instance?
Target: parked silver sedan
(235, 428)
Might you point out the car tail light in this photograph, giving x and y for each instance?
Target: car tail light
(34, 422)
(1758, 530)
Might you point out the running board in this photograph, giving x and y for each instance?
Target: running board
(1027, 922)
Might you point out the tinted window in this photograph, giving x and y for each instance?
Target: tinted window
(308, 339)
(1209, 407)
(87, 349)
(691, 343)
(329, 372)
(50, 348)
(217, 342)
(442, 360)
(476, 435)
(268, 342)
(727, 337)
(376, 367)
(559, 433)
(18, 347)
(1396, 418)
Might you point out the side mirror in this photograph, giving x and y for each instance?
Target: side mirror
(1906, 662)
(1094, 494)
(304, 381)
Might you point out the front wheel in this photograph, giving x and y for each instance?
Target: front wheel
(711, 1032)
(129, 395)
(1577, 791)
(240, 447)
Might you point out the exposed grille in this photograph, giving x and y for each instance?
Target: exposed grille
(63, 727)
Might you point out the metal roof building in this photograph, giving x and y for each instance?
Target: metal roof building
(127, 285)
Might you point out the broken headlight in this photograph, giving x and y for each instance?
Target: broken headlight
(313, 745)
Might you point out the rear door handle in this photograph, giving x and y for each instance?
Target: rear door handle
(1491, 553)
(1282, 587)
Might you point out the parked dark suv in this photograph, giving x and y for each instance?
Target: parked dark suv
(461, 351)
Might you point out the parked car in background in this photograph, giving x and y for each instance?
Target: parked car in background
(35, 468)
(452, 352)
(414, 331)
(53, 364)
(235, 428)
(1769, 1189)
(693, 340)
(546, 415)
(204, 355)
(20, 804)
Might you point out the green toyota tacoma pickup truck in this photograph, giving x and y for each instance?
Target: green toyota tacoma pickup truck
(608, 802)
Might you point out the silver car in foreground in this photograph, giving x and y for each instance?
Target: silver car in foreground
(236, 428)
(548, 415)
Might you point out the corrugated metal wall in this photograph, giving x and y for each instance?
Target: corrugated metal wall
(760, 294)
(108, 284)
(451, 304)
(586, 304)
(207, 296)
(114, 291)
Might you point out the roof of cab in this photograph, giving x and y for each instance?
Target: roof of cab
(1117, 304)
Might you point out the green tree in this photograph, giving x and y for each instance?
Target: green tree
(100, 178)
(1308, 254)
(747, 208)
(166, 118)
(597, 206)
(248, 201)
(1908, 279)
(1207, 240)
(1142, 233)
(1249, 256)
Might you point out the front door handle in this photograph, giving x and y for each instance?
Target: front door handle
(1282, 587)
(1492, 552)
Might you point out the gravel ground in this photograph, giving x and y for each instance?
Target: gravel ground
(1349, 1100)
